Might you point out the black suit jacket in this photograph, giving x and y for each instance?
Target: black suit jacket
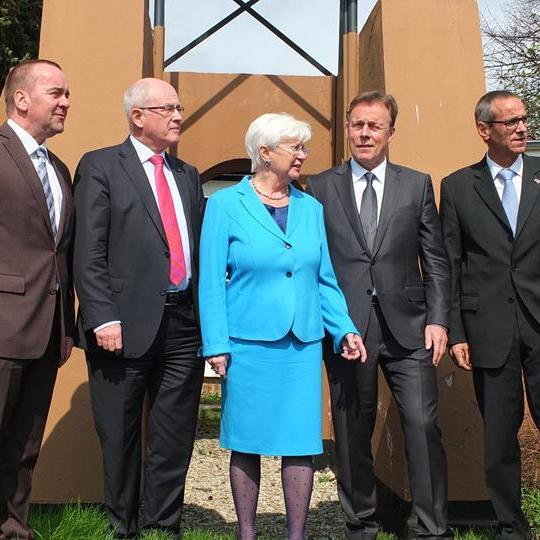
(408, 265)
(490, 268)
(34, 266)
(121, 262)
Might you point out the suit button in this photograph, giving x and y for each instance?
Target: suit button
(52, 291)
(511, 300)
(167, 254)
(287, 245)
(289, 274)
(515, 267)
(369, 291)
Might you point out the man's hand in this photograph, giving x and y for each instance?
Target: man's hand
(219, 364)
(436, 338)
(68, 345)
(110, 338)
(461, 356)
(352, 348)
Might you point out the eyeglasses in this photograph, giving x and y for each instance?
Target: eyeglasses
(511, 124)
(167, 110)
(295, 149)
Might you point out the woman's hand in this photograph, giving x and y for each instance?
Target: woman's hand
(219, 364)
(352, 348)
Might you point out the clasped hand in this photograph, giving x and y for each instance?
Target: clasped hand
(352, 348)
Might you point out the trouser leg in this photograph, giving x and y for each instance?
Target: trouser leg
(353, 393)
(499, 393)
(174, 394)
(117, 390)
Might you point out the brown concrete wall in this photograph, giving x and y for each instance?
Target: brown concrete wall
(219, 109)
(428, 55)
(101, 56)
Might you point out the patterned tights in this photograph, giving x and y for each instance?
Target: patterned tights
(297, 482)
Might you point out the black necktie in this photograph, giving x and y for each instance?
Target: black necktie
(368, 211)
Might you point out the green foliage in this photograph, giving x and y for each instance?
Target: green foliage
(530, 501)
(20, 21)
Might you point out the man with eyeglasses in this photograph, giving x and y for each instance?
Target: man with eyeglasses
(386, 245)
(491, 221)
(139, 213)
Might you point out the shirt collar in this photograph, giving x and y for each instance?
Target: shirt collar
(30, 144)
(358, 171)
(143, 152)
(495, 168)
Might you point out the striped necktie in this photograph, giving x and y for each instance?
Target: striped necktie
(41, 154)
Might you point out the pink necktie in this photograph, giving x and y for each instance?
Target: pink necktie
(177, 271)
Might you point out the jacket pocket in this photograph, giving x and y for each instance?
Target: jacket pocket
(116, 284)
(415, 294)
(12, 284)
(469, 302)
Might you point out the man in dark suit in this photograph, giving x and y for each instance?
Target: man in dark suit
(36, 296)
(491, 222)
(386, 246)
(139, 214)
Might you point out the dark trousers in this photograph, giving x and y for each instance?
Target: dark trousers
(499, 393)
(171, 374)
(26, 388)
(412, 379)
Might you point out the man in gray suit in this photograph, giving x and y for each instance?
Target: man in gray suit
(386, 245)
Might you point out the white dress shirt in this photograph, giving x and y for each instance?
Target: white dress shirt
(144, 153)
(495, 169)
(31, 145)
(360, 183)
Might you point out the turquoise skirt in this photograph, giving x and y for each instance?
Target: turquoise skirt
(272, 398)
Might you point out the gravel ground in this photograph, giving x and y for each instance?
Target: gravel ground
(209, 503)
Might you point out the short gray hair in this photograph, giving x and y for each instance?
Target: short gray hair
(136, 96)
(269, 130)
(483, 112)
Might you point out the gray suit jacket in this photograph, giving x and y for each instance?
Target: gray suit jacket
(408, 266)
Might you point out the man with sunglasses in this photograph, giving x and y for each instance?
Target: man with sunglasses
(139, 214)
(491, 220)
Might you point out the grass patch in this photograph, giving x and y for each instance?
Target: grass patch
(78, 521)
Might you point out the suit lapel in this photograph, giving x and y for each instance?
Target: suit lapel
(485, 187)
(135, 172)
(344, 187)
(392, 188)
(258, 211)
(179, 176)
(23, 161)
(529, 192)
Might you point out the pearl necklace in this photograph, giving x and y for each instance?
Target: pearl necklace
(271, 197)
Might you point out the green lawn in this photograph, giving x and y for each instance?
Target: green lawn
(88, 522)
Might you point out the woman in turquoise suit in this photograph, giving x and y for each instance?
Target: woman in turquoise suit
(267, 293)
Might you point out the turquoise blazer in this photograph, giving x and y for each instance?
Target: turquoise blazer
(257, 282)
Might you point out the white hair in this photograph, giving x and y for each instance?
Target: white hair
(136, 96)
(269, 130)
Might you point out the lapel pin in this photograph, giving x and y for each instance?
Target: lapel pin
(537, 180)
